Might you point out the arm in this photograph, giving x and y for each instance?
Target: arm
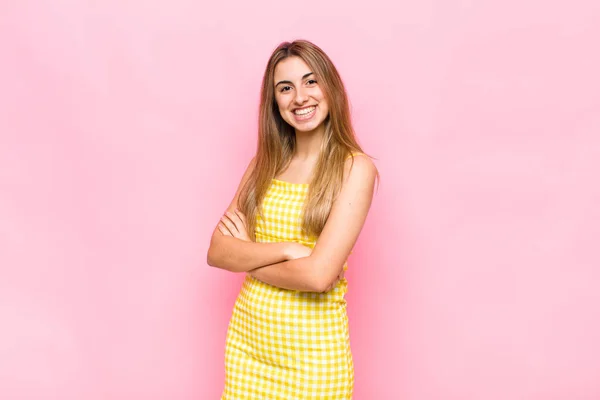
(316, 272)
(238, 255)
(299, 274)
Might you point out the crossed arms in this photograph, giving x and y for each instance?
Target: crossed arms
(291, 265)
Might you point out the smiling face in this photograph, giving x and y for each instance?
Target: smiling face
(301, 102)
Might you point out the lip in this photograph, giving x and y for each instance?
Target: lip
(305, 117)
(301, 108)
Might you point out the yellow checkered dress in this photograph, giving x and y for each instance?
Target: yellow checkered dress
(285, 344)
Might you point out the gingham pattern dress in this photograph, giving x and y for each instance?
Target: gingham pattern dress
(285, 344)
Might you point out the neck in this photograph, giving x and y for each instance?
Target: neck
(308, 144)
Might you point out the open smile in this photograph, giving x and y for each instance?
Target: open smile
(304, 114)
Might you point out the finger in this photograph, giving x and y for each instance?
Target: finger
(229, 224)
(241, 223)
(236, 220)
(223, 229)
(241, 216)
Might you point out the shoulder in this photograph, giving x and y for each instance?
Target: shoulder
(359, 166)
(247, 173)
(250, 167)
(252, 162)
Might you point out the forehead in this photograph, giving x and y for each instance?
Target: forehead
(291, 69)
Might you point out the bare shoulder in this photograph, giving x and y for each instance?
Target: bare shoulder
(360, 175)
(251, 164)
(249, 170)
(347, 217)
(360, 169)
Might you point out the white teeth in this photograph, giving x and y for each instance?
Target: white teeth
(304, 111)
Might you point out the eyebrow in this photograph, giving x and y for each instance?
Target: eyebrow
(290, 82)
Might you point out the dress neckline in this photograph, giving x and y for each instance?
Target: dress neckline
(306, 184)
(290, 183)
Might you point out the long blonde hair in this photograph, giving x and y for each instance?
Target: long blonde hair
(277, 141)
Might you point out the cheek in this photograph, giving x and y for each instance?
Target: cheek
(280, 105)
(319, 94)
(282, 112)
(324, 106)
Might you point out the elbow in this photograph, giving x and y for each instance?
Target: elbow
(320, 286)
(209, 260)
(215, 258)
(323, 280)
(211, 257)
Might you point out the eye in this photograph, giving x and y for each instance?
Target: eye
(311, 81)
(285, 89)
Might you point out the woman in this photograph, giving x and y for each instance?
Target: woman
(293, 222)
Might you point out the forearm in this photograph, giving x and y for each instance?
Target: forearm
(237, 255)
(299, 274)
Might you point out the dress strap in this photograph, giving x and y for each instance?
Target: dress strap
(355, 154)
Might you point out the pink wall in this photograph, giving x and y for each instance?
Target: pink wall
(125, 127)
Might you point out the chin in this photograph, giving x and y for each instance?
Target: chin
(307, 127)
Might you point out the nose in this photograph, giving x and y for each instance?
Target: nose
(301, 96)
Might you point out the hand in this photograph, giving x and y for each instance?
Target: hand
(234, 224)
(296, 250)
(334, 284)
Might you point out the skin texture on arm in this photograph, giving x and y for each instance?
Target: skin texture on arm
(317, 272)
(239, 254)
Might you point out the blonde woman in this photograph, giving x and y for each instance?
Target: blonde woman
(293, 221)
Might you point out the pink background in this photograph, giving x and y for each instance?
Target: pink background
(125, 127)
